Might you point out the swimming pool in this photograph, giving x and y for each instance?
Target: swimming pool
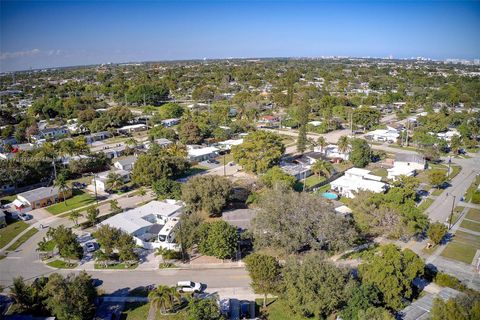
(330, 196)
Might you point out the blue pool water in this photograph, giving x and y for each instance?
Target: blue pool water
(330, 196)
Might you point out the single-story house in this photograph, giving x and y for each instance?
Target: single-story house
(356, 179)
(110, 150)
(51, 133)
(312, 157)
(406, 165)
(170, 122)
(125, 163)
(97, 136)
(299, 171)
(162, 142)
(152, 224)
(100, 180)
(199, 153)
(132, 128)
(315, 123)
(269, 119)
(228, 144)
(383, 135)
(331, 152)
(38, 198)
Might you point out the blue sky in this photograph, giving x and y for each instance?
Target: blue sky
(36, 34)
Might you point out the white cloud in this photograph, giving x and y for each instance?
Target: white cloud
(18, 54)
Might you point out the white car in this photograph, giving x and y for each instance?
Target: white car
(189, 286)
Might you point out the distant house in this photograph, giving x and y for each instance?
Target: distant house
(132, 128)
(51, 133)
(356, 179)
(199, 153)
(170, 122)
(406, 165)
(315, 123)
(97, 136)
(331, 152)
(101, 179)
(125, 163)
(151, 225)
(110, 150)
(269, 120)
(38, 198)
(162, 142)
(383, 135)
(228, 144)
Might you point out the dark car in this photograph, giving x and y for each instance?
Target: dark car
(212, 161)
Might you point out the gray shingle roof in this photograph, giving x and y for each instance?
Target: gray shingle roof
(40, 193)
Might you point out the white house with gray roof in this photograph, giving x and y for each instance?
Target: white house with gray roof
(152, 225)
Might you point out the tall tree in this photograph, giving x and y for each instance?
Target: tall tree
(164, 298)
(343, 144)
(207, 193)
(265, 274)
(62, 185)
(392, 271)
(259, 151)
(323, 168)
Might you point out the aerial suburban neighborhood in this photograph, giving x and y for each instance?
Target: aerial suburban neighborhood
(327, 187)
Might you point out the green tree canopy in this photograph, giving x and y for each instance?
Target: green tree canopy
(275, 175)
(392, 272)
(265, 274)
(218, 239)
(259, 151)
(207, 193)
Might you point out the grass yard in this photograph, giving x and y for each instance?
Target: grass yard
(425, 204)
(313, 180)
(437, 192)
(11, 231)
(455, 171)
(27, 235)
(460, 252)
(139, 311)
(115, 266)
(473, 214)
(60, 264)
(471, 225)
(463, 247)
(471, 190)
(278, 310)
(78, 200)
(7, 199)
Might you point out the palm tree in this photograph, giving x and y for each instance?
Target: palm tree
(114, 181)
(323, 168)
(61, 183)
(164, 297)
(322, 143)
(343, 144)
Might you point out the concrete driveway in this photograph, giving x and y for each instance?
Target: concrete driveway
(239, 218)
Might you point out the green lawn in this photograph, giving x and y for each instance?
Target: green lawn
(471, 225)
(115, 266)
(313, 180)
(279, 310)
(79, 199)
(473, 214)
(11, 231)
(425, 204)
(471, 190)
(27, 235)
(7, 199)
(437, 192)
(459, 251)
(455, 170)
(139, 311)
(60, 264)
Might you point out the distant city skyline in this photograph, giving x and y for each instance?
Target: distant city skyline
(35, 35)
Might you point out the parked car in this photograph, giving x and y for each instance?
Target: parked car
(90, 246)
(24, 216)
(189, 286)
(212, 161)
